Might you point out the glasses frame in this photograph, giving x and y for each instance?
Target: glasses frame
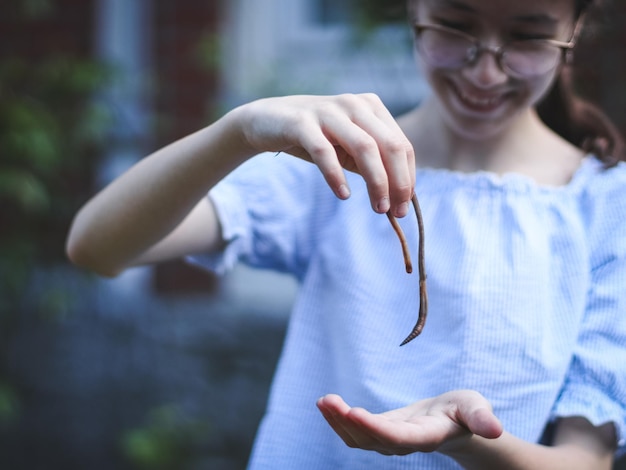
(474, 52)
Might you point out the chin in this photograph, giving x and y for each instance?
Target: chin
(478, 130)
(474, 124)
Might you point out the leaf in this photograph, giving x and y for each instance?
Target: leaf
(9, 403)
(30, 134)
(25, 190)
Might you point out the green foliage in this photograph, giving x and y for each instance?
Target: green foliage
(50, 131)
(50, 128)
(372, 14)
(165, 442)
(375, 12)
(9, 404)
(208, 51)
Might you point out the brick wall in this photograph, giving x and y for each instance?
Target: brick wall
(186, 85)
(186, 89)
(63, 28)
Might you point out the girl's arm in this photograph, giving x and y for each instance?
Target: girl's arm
(158, 210)
(578, 446)
(461, 424)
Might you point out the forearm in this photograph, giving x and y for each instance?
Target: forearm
(147, 202)
(153, 199)
(512, 453)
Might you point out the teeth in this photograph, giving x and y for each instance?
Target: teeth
(479, 101)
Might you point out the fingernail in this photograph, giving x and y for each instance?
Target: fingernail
(343, 192)
(383, 205)
(402, 209)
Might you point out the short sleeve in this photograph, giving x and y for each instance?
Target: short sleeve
(235, 226)
(595, 385)
(266, 209)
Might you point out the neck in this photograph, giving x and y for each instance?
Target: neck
(526, 146)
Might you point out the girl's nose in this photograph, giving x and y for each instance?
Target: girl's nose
(485, 71)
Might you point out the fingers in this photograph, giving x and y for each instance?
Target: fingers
(469, 409)
(484, 423)
(361, 429)
(381, 152)
(334, 410)
(319, 149)
(480, 420)
(404, 164)
(344, 420)
(353, 132)
(423, 426)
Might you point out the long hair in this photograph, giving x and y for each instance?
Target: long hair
(577, 119)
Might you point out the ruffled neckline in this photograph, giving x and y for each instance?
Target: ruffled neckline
(445, 179)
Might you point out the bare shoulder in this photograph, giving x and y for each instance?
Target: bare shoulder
(562, 160)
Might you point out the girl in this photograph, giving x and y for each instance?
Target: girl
(525, 251)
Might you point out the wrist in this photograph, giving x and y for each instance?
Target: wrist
(242, 124)
(459, 447)
(233, 127)
(472, 451)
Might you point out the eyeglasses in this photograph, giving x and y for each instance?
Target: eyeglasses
(448, 48)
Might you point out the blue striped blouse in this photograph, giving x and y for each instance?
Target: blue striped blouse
(527, 293)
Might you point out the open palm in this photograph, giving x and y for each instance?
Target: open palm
(423, 426)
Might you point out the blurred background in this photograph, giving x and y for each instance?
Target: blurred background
(165, 367)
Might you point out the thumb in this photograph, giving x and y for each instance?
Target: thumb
(478, 417)
(476, 413)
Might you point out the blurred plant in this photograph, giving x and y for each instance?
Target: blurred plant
(50, 130)
(34, 9)
(166, 441)
(375, 12)
(9, 404)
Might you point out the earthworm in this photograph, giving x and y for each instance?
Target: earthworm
(405, 246)
(423, 308)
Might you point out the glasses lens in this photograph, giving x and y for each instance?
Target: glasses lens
(531, 58)
(444, 48)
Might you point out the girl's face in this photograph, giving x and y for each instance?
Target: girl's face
(479, 99)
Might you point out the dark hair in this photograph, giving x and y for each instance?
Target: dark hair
(578, 120)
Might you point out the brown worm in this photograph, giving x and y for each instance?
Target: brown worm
(405, 246)
(423, 308)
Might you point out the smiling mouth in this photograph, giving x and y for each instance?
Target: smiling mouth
(477, 102)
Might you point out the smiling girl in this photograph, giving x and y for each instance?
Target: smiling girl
(522, 199)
